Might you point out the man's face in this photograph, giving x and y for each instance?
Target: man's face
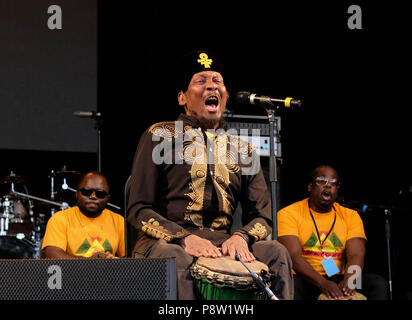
(91, 205)
(206, 96)
(324, 189)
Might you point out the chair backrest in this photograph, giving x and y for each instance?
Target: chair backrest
(126, 200)
(130, 232)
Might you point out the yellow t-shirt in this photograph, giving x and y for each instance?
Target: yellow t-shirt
(79, 235)
(295, 220)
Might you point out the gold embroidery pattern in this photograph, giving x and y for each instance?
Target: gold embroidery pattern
(222, 178)
(195, 154)
(195, 218)
(166, 130)
(155, 230)
(219, 222)
(259, 231)
(243, 148)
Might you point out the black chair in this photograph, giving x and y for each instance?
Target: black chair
(129, 232)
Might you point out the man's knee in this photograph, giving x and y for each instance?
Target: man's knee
(163, 249)
(272, 249)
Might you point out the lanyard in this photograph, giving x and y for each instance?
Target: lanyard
(316, 227)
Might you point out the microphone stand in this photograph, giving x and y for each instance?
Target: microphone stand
(98, 125)
(259, 281)
(273, 177)
(97, 116)
(388, 214)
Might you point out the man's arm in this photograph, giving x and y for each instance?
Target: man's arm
(142, 209)
(256, 208)
(306, 271)
(144, 188)
(52, 252)
(355, 255)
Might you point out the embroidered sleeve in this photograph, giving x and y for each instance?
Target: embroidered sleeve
(154, 229)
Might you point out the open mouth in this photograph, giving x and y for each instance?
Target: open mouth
(211, 103)
(326, 196)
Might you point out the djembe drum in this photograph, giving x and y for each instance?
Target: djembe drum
(225, 279)
(356, 296)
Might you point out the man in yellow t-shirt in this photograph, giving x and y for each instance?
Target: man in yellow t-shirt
(326, 242)
(88, 230)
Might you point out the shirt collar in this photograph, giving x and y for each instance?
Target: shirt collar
(189, 120)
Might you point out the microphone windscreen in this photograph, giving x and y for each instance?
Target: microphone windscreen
(242, 97)
(295, 103)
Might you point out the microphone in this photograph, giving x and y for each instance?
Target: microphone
(87, 114)
(244, 97)
(354, 205)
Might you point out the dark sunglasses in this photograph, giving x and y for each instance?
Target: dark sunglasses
(87, 192)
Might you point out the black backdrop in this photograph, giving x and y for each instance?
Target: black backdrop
(353, 114)
(351, 83)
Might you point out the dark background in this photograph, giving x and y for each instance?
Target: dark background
(352, 84)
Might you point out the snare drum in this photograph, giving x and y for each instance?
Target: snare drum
(356, 296)
(225, 279)
(14, 248)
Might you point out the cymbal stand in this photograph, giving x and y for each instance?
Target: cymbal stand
(62, 205)
(52, 192)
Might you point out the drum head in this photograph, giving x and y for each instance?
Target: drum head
(356, 296)
(226, 279)
(225, 265)
(13, 248)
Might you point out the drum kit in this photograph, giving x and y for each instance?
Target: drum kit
(23, 217)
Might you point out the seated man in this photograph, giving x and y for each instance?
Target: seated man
(185, 188)
(320, 235)
(88, 230)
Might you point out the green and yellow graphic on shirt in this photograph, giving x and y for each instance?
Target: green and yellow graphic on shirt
(87, 250)
(330, 246)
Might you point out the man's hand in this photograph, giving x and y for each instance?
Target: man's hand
(236, 244)
(200, 247)
(331, 289)
(343, 285)
(102, 255)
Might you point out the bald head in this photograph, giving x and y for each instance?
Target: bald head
(92, 194)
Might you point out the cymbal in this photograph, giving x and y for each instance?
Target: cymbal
(66, 173)
(12, 178)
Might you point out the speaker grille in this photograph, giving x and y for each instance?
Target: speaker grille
(88, 279)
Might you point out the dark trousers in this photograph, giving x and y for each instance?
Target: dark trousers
(373, 287)
(272, 253)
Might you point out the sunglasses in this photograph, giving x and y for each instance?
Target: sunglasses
(87, 192)
(322, 181)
